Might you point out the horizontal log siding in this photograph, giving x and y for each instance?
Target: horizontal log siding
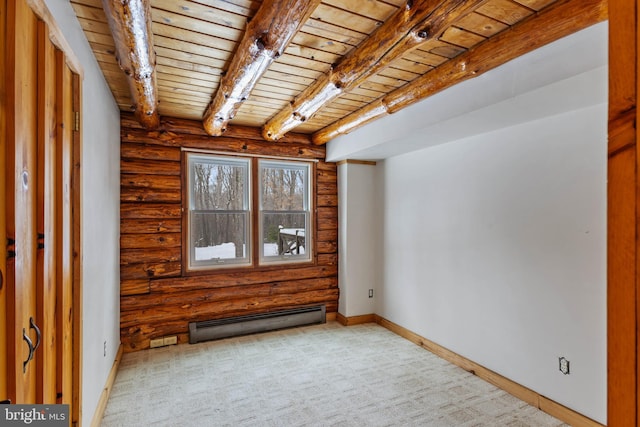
(156, 298)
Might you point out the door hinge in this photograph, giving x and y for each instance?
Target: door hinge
(11, 248)
(76, 121)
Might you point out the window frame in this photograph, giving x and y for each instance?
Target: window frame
(307, 211)
(254, 231)
(189, 252)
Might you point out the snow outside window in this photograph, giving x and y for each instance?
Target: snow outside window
(222, 211)
(285, 214)
(219, 211)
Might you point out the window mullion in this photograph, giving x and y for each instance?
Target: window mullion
(254, 210)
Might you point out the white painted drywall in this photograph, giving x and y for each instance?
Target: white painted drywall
(495, 247)
(493, 220)
(100, 215)
(357, 222)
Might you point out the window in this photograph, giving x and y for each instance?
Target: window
(284, 211)
(219, 221)
(229, 225)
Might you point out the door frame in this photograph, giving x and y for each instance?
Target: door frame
(3, 236)
(76, 248)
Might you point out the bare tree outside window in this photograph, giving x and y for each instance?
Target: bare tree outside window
(218, 208)
(284, 209)
(220, 214)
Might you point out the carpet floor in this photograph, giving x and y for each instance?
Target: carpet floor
(324, 375)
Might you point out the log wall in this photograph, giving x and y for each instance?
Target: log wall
(157, 299)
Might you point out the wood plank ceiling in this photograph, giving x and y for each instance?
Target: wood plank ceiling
(348, 62)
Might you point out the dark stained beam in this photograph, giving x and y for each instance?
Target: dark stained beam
(417, 22)
(267, 35)
(130, 24)
(561, 19)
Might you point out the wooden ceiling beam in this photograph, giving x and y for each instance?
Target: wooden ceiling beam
(561, 19)
(418, 21)
(267, 35)
(130, 24)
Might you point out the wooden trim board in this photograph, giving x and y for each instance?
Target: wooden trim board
(552, 408)
(76, 232)
(40, 8)
(356, 162)
(355, 320)
(623, 202)
(106, 392)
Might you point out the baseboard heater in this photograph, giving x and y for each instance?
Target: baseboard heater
(243, 325)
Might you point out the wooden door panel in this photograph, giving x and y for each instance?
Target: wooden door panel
(21, 203)
(46, 219)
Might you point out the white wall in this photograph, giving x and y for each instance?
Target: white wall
(100, 215)
(356, 274)
(493, 229)
(495, 247)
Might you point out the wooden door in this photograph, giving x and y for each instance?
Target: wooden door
(39, 292)
(21, 187)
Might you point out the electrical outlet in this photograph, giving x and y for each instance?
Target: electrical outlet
(163, 341)
(158, 342)
(564, 365)
(370, 293)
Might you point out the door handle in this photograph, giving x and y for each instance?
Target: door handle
(32, 325)
(26, 339)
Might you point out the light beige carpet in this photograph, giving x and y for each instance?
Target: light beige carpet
(325, 375)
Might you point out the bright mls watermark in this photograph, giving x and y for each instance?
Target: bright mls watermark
(34, 415)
